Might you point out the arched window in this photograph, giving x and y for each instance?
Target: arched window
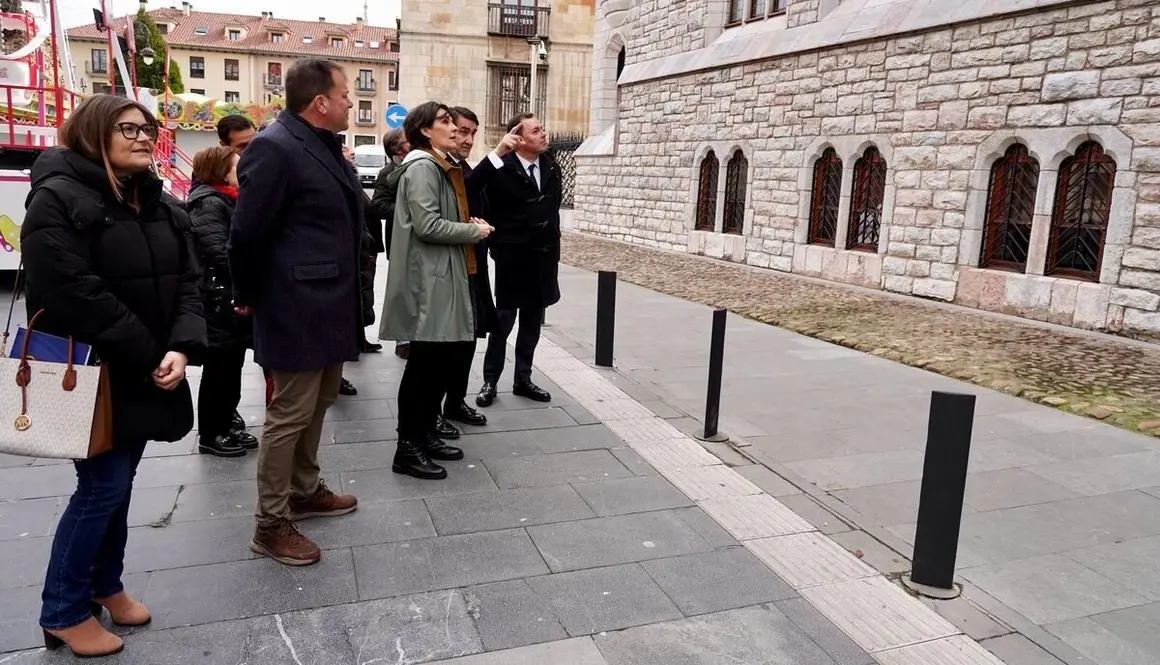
(1079, 223)
(866, 204)
(619, 63)
(827, 193)
(735, 176)
(707, 193)
(1010, 208)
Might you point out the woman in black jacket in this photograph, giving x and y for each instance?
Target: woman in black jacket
(107, 259)
(221, 431)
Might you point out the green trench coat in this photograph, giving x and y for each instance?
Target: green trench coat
(428, 295)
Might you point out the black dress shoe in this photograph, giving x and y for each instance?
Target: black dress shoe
(220, 446)
(238, 423)
(444, 429)
(244, 439)
(368, 347)
(412, 460)
(465, 414)
(436, 448)
(347, 388)
(486, 394)
(532, 392)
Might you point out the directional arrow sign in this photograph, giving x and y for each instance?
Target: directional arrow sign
(396, 113)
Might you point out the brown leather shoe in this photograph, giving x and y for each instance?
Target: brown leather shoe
(86, 640)
(123, 610)
(324, 503)
(281, 542)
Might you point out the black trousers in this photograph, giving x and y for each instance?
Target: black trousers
(220, 390)
(458, 375)
(424, 383)
(531, 318)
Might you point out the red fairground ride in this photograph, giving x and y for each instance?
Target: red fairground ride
(36, 96)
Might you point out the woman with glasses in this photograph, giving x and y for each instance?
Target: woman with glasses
(107, 258)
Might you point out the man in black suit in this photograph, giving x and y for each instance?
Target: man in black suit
(294, 257)
(521, 186)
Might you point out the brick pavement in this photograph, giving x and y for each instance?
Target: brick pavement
(1100, 377)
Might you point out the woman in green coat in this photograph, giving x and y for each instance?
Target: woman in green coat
(428, 301)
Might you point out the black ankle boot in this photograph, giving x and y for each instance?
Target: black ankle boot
(220, 446)
(412, 460)
(438, 449)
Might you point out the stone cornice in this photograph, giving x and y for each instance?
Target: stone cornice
(851, 22)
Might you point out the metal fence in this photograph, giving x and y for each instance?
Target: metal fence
(563, 150)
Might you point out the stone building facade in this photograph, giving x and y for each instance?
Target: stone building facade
(477, 54)
(1001, 154)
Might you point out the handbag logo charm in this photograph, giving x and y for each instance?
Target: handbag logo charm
(23, 422)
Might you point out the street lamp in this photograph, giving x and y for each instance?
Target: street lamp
(141, 34)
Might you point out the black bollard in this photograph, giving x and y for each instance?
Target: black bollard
(713, 391)
(605, 316)
(944, 485)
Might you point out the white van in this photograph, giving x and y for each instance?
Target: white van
(368, 161)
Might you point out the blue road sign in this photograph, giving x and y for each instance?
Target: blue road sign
(395, 115)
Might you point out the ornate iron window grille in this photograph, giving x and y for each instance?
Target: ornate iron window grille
(1010, 209)
(735, 175)
(866, 206)
(707, 193)
(1079, 223)
(826, 196)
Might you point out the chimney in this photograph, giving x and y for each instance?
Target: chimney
(358, 23)
(185, 7)
(322, 19)
(144, 5)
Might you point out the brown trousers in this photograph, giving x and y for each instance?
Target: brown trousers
(288, 459)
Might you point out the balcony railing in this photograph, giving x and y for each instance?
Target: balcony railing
(506, 20)
(365, 88)
(272, 81)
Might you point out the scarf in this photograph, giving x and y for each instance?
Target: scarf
(228, 190)
(455, 173)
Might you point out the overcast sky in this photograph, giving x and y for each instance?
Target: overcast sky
(382, 12)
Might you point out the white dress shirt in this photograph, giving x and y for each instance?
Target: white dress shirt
(497, 162)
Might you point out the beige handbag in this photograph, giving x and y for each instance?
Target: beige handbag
(51, 409)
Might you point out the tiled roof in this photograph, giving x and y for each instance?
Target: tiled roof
(209, 30)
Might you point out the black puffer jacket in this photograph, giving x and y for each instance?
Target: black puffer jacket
(124, 282)
(210, 211)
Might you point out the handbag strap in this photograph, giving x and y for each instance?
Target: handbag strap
(16, 287)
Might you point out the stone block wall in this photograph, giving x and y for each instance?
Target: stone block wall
(941, 106)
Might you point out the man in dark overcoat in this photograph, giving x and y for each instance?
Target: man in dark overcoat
(521, 188)
(294, 257)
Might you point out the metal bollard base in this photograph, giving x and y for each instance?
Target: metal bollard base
(719, 437)
(931, 591)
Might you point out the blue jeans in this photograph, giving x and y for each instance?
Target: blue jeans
(88, 551)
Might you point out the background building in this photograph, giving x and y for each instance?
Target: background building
(243, 60)
(991, 154)
(477, 55)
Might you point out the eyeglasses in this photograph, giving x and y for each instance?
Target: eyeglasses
(131, 130)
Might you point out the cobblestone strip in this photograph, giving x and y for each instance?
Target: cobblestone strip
(1096, 376)
(882, 618)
